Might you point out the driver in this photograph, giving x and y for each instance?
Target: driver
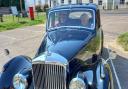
(84, 18)
(62, 19)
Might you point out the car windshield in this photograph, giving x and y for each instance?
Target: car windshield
(71, 18)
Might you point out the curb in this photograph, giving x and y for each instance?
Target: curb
(118, 49)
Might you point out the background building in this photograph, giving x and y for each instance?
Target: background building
(103, 4)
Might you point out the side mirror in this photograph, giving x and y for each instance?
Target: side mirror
(112, 55)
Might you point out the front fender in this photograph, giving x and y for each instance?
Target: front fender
(104, 77)
(98, 77)
(14, 66)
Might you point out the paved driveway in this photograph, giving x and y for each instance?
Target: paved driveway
(23, 41)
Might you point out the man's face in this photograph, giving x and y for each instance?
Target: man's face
(62, 18)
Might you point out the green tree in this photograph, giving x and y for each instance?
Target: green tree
(7, 3)
(4, 3)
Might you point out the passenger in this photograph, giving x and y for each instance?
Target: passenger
(84, 18)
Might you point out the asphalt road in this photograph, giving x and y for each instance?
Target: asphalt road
(25, 41)
(115, 23)
(21, 41)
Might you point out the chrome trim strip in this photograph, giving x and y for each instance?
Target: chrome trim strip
(55, 68)
(56, 63)
(52, 63)
(53, 58)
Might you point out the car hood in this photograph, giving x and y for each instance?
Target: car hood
(67, 43)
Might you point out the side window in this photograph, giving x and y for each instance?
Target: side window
(54, 20)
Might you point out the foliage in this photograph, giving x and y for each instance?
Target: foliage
(10, 24)
(8, 3)
(38, 8)
(45, 7)
(4, 3)
(123, 40)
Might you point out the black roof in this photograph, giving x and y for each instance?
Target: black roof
(70, 6)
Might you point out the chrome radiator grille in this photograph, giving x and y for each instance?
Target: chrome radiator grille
(49, 76)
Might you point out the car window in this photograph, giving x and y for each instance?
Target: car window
(75, 18)
(77, 15)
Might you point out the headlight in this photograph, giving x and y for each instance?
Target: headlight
(77, 83)
(20, 81)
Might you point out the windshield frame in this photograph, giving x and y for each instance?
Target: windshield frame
(84, 9)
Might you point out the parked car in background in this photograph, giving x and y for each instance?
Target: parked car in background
(69, 56)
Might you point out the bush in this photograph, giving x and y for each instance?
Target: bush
(10, 23)
(45, 7)
(123, 41)
(38, 8)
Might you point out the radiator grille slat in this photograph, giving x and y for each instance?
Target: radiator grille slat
(49, 76)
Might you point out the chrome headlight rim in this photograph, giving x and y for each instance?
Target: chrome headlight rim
(77, 80)
(20, 81)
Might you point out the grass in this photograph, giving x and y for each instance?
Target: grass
(123, 40)
(12, 23)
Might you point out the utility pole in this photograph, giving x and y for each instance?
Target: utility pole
(21, 6)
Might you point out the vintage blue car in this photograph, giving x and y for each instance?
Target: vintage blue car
(69, 56)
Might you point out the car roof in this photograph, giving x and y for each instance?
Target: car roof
(87, 5)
